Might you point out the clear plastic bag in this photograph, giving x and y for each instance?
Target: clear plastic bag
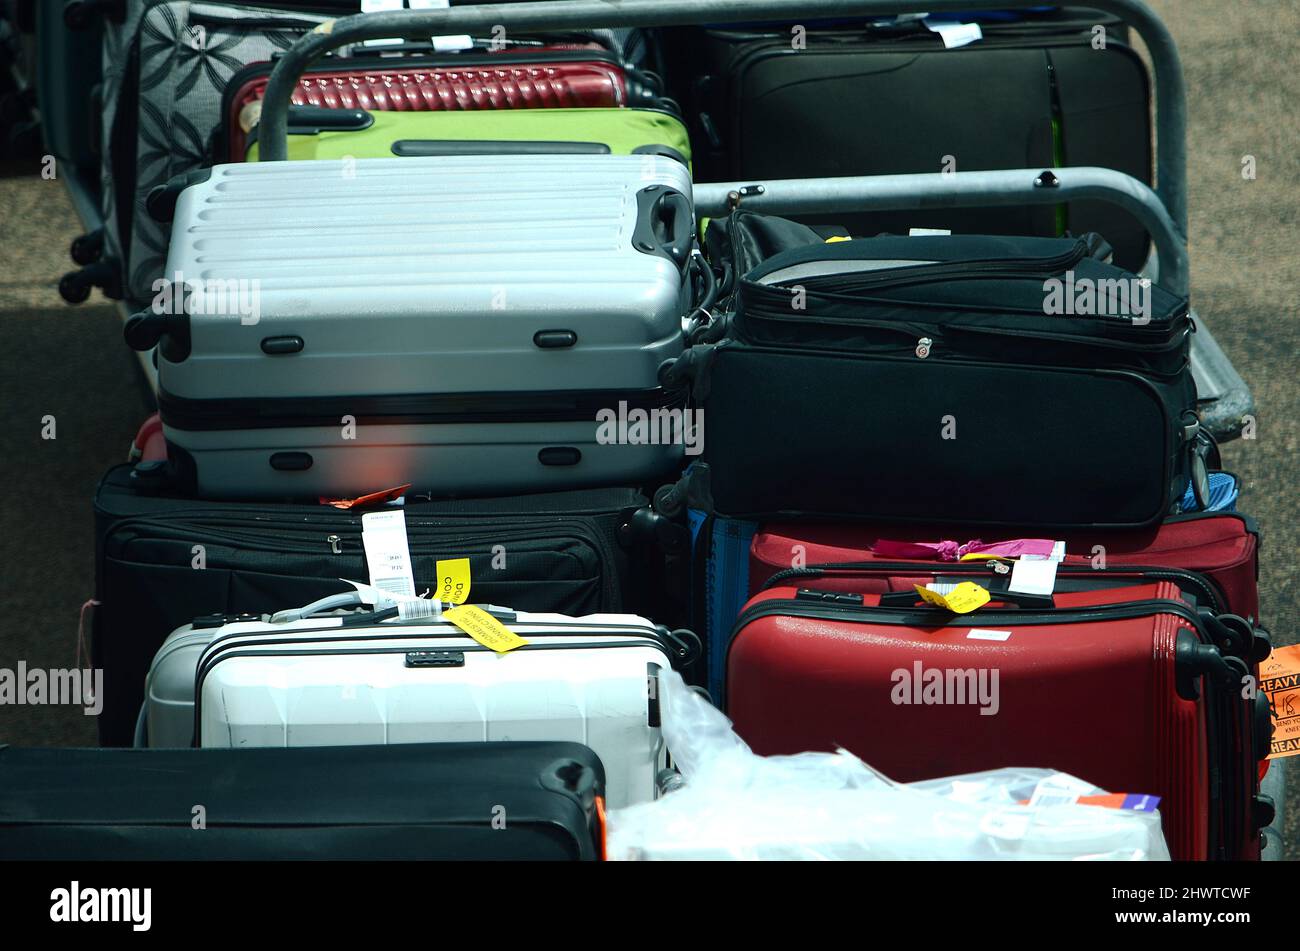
(733, 804)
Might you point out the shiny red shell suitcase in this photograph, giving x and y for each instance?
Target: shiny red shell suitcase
(1123, 687)
(1223, 547)
(546, 79)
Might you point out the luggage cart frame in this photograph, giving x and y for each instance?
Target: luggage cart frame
(1163, 211)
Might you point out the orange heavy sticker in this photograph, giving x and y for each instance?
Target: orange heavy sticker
(1279, 677)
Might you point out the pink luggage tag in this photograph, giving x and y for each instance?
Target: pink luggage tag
(955, 551)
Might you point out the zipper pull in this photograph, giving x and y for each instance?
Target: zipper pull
(923, 347)
(335, 543)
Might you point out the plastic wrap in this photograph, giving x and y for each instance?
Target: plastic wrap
(735, 805)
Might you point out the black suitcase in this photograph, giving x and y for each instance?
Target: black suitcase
(931, 379)
(583, 552)
(1031, 94)
(440, 801)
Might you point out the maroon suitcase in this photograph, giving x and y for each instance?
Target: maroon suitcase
(1221, 547)
(551, 77)
(1123, 687)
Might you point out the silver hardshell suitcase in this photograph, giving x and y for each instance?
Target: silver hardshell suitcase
(461, 323)
(346, 681)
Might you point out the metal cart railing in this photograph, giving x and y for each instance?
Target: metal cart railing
(1224, 397)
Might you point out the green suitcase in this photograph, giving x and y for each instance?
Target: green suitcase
(358, 133)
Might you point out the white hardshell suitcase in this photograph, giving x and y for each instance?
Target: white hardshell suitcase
(457, 322)
(316, 682)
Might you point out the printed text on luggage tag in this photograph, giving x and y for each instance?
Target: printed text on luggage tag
(962, 599)
(383, 534)
(453, 580)
(484, 628)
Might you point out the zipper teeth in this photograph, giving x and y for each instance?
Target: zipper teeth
(869, 614)
(762, 311)
(1204, 585)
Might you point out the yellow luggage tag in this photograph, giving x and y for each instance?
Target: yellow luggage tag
(453, 580)
(962, 599)
(484, 628)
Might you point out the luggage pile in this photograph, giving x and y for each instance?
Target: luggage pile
(469, 322)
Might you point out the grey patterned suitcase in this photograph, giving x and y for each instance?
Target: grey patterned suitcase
(165, 68)
(482, 323)
(166, 65)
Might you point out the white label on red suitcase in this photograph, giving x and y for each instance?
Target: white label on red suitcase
(1033, 577)
(980, 634)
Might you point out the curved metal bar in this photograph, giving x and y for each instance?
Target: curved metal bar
(964, 190)
(1171, 96)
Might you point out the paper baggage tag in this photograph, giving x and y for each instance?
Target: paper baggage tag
(453, 580)
(1279, 678)
(1057, 555)
(962, 599)
(393, 496)
(1060, 790)
(955, 34)
(1029, 576)
(444, 44)
(381, 6)
(383, 534)
(484, 628)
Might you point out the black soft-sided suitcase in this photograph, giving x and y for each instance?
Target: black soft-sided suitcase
(1032, 94)
(924, 379)
(442, 801)
(575, 553)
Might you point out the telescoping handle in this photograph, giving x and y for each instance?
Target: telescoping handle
(569, 15)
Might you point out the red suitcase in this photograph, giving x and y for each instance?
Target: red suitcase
(1223, 547)
(536, 79)
(1123, 687)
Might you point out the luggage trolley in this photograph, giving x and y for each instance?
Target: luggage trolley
(1224, 398)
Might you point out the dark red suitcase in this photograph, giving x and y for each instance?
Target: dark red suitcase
(1123, 687)
(1222, 547)
(551, 78)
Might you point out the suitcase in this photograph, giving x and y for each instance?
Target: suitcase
(919, 692)
(1218, 552)
(777, 112)
(316, 134)
(163, 560)
(166, 67)
(526, 313)
(352, 681)
(964, 326)
(719, 584)
(373, 803)
(551, 78)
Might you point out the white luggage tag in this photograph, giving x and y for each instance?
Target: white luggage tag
(444, 44)
(955, 34)
(388, 559)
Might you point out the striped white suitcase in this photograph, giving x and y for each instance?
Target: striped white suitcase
(456, 322)
(319, 682)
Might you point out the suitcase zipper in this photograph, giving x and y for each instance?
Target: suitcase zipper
(1184, 579)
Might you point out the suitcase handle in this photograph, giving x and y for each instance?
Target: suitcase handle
(665, 224)
(910, 599)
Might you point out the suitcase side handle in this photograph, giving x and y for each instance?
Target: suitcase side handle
(665, 224)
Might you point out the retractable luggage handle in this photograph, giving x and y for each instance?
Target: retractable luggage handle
(543, 17)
